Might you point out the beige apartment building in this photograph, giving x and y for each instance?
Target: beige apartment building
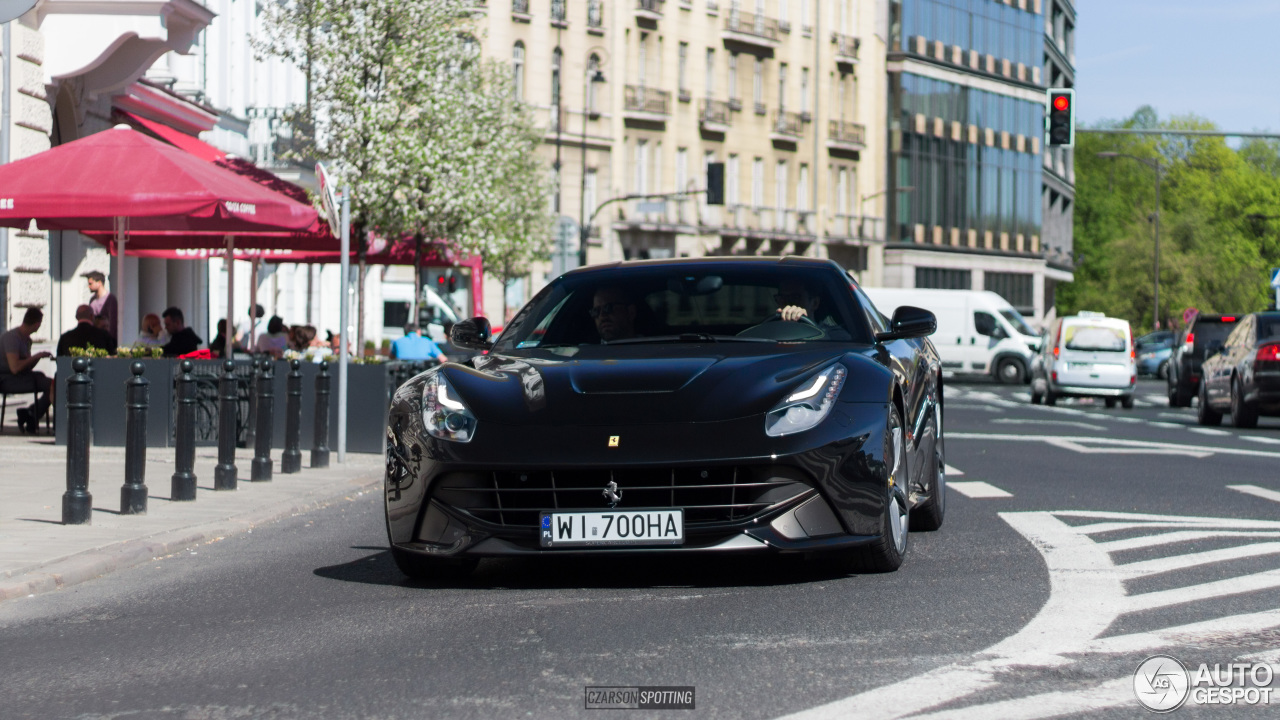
(640, 95)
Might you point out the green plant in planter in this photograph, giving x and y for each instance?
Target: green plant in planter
(89, 352)
(140, 352)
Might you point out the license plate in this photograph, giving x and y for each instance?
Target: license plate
(608, 528)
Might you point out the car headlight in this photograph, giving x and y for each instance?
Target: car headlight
(808, 405)
(443, 413)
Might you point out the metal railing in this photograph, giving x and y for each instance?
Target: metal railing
(752, 24)
(558, 11)
(846, 45)
(715, 111)
(788, 123)
(846, 132)
(653, 6)
(638, 98)
(595, 13)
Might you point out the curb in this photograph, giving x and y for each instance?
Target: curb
(90, 564)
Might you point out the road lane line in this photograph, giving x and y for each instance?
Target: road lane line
(1255, 438)
(1174, 415)
(1021, 421)
(1148, 541)
(1128, 445)
(1205, 591)
(1182, 562)
(1060, 703)
(978, 489)
(1156, 399)
(1256, 492)
(1157, 423)
(953, 472)
(1209, 431)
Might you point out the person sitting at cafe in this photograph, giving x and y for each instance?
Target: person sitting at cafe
(218, 346)
(413, 346)
(17, 375)
(152, 332)
(85, 335)
(182, 339)
(276, 341)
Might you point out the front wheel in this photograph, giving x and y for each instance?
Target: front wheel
(1162, 372)
(1010, 372)
(886, 553)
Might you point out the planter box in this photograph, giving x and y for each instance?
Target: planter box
(368, 396)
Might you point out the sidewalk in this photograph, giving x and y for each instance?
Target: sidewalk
(38, 553)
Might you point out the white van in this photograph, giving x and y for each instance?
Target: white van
(1086, 355)
(978, 331)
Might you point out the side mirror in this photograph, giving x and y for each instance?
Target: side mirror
(471, 334)
(909, 322)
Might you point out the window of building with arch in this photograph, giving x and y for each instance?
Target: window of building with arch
(517, 70)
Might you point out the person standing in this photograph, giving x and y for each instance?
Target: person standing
(103, 302)
(182, 339)
(85, 334)
(16, 370)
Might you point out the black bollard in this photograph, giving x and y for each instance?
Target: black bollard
(261, 470)
(182, 486)
(320, 443)
(291, 460)
(77, 503)
(224, 473)
(133, 494)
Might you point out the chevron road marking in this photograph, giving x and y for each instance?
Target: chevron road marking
(953, 472)
(1256, 492)
(1084, 445)
(1255, 438)
(1073, 423)
(1088, 594)
(977, 489)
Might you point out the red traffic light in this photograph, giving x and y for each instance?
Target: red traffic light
(1061, 102)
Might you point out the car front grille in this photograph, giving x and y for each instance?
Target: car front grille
(707, 495)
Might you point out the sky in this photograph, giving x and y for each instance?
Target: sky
(1215, 58)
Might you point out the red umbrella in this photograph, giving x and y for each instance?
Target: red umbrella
(121, 180)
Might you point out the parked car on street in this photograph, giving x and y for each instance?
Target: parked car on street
(674, 406)
(1243, 378)
(1087, 355)
(979, 332)
(1202, 338)
(1153, 350)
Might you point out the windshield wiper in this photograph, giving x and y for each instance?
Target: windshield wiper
(688, 338)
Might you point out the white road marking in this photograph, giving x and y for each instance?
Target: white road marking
(1157, 423)
(1021, 421)
(1130, 446)
(1088, 595)
(978, 489)
(1256, 492)
(1069, 444)
(1128, 419)
(1022, 396)
(1209, 431)
(1157, 399)
(1174, 415)
(953, 472)
(1255, 438)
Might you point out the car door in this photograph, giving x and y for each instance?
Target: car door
(1215, 371)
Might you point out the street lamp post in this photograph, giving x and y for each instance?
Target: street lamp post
(1154, 165)
(584, 230)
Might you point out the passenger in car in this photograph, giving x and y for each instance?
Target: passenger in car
(614, 313)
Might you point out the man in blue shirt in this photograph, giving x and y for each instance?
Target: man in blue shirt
(413, 346)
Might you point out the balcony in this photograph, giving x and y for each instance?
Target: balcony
(595, 17)
(647, 104)
(714, 116)
(558, 16)
(787, 126)
(846, 47)
(649, 10)
(520, 11)
(751, 29)
(846, 136)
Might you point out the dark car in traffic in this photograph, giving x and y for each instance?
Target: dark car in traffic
(674, 406)
(1153, 351)
(1243, 379)
(1202, 338)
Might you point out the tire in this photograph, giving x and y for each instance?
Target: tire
(1111, 402)
(928, 515)
(1243, 414)
(420, 568)
(1126, 401)
(1162, 371)
(1050, 399)
(1010, 372)
(886, 553)
(1206, 415)
(1036, 398)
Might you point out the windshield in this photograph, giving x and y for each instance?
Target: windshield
(1095, 338)
(1018, 322)
(694, 303)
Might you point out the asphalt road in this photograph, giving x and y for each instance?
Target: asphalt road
(1078, 542)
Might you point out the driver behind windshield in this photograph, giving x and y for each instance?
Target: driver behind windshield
(795, 302)
(614, 313)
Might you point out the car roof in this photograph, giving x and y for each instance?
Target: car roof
(710, 262)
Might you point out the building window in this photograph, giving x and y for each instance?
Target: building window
(804, 13)
(757, 183)
(731, 171)
(780, 188)
(1014, 287)
(707, 159)
(644, 60)
(733, 76)
(944, 278)
(589, 193)
(842, 193)
(802, 189)
(782, 86)
(804, 90)
(517, 70)
(682, 169)
(557, 62)
(711, 73)
(593, 67)
(684, 68)
(757, 86)
(782, 11)
(642, 167)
